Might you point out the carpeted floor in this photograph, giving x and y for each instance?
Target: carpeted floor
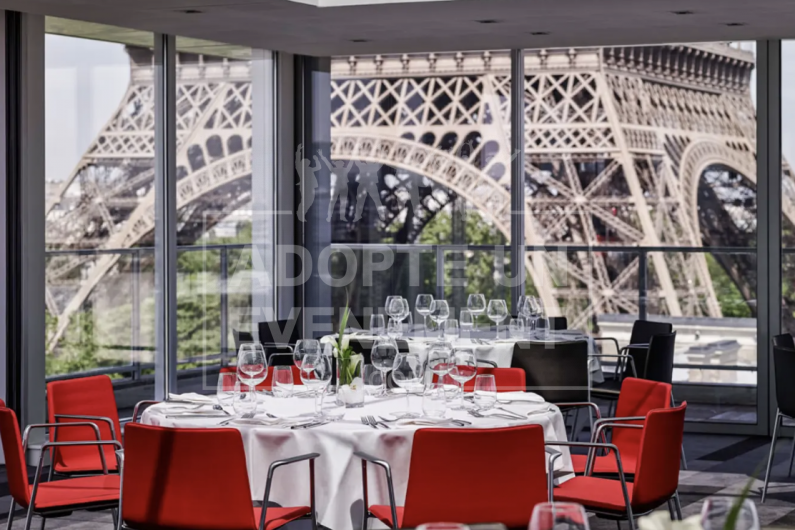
(718, 465)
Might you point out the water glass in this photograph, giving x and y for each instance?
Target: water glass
(244, 400)
(394, 329)
(558, 516)
(715, 510)
(434, 402)
(452, 330)
(516, 328)
(485, 391)
(467, 321)
(225, 390)
(373, 380)
(282, 381)
(329, 408)
(377, 325)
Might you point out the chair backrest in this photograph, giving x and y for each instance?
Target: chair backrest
(509, 482)
(16, 469)
(784, 368)
(241, 337)
(558, 323)
(507, 379)
(638, 397)
(267, 384)
(86, 396)
(657, 468)
(644, 330)
(784, 340)
(659, 362)
(279, 331)
(191, 479)
(557, 371)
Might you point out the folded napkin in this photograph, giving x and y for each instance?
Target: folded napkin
(192, 397)
(516, 397)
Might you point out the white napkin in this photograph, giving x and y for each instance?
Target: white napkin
(528, 397)
(423, 421)
(192, 397)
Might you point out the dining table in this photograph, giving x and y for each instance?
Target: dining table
(284, 427)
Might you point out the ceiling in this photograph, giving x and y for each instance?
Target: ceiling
(398, 27)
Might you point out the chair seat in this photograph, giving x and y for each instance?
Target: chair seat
(594, 493)
(278, 516)
(605, 465)
(86, 463)
(384, 514)
(77, 491)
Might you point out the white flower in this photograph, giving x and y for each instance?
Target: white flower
(661, 520)
(346, 341)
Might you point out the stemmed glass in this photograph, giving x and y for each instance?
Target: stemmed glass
(252, 366)
(383, 355)
(439, 359)
(476, 304)
(497, 312)
(407, 373)
(451, 329)
(532, 310)
(558, 516)
(394, 306)
(465, 367)
(440, 311)
(377, 325)
(716, 510)
(406, 311)
(423, 307)
(316, 375)
(305, 347)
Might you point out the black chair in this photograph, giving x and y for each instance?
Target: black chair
(279, 336)
(658, 360)
(784, 341)
(784, 368)
(241, 337)
(558, 323)
(558, 372)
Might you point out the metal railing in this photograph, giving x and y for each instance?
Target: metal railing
(135, 369)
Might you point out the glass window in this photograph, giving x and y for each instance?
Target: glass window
(99, 172)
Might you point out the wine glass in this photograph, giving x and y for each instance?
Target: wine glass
(715, 511)
(316, 375)
(532, 311)
(225, 390)
(407, 373)
(466, 321)
(383, 355)
(282, 381)
(465, 367)
(516, 328)
(406, 309)
(393, 306)
(485, 391)
(497, 312)
(439, 358)
(558, 516)
(377, 325)
(476, 303)
(394, 328)
(252, 367)
(305, 347)
(423, 307)
(440, 312)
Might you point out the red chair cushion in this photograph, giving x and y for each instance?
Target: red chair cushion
(77, 491)
(507, 379)
(606, 465)
(384, 514)
(86, 463)
(594, 493)
(277, 517)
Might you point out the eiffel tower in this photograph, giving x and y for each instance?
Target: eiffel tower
(643, 145)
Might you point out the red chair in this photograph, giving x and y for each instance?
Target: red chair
(267, 384)
(197, 479)
(637, 398)
(80, 400)
(49, 499)
(656, 474)
(513, 479)
(507, 379)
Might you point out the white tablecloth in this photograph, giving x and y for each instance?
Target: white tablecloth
(337, 471)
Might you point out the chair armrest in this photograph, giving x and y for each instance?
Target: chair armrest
(89, 418)
(487, 361)
(618, 348)
(599, 429)
(390, 485)
(269, 483)
(602, 421)
(637, 345)
(621, 358)
(57, 426)
(554, 454)
(278, 345)
(139, 406)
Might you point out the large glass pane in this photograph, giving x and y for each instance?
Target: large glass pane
(99, 170)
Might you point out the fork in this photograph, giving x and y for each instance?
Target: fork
(365, 421)
(246, 416)
(477, 414)
(375, 422)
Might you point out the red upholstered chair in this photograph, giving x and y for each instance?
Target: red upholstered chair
(267, 384)
(637, 398)
(197, 479)
(507, 379)
(80, 400)
(48, 499)
(656, 472)
(513, 479)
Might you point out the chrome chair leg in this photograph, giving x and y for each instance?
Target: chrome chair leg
(791, 457)
(11, 515)
(678, 506)
(43, 522)
(770, 455)
(115, 514)
(671, 509)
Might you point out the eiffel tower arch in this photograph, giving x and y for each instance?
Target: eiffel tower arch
(625, 146)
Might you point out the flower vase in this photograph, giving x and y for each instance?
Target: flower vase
(350, 385)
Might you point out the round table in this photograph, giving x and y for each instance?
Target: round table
(337, 471)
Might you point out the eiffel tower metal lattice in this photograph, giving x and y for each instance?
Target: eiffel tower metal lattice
(651, 146)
